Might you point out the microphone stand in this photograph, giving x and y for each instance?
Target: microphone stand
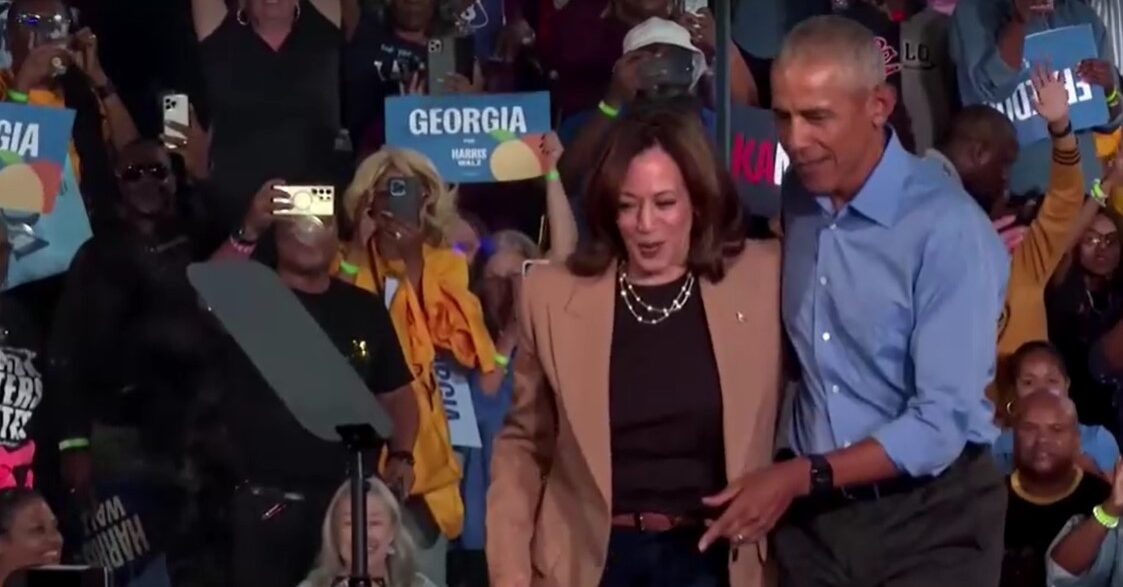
(358, 439)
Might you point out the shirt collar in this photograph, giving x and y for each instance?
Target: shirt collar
(880, 196)
(937, 157)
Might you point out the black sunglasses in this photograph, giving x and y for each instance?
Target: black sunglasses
(134, 173)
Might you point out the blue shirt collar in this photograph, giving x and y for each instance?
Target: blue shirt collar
(880, 197)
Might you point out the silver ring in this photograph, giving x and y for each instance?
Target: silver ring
(739, 538)
(397, 234)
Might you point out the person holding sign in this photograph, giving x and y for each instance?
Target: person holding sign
(661, 328)
(991, 42)
(893, 287)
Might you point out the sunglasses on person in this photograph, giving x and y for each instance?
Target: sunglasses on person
(135, 173)
(1097, 240)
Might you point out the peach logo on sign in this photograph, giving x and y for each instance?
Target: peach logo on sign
(516, 158)
(27, 183)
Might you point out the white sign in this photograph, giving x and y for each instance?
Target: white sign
(456, 393)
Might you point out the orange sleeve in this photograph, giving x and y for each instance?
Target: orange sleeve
(1041, 251)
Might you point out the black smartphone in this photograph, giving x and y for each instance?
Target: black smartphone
(1027, 208)
(448, 55)
(674, 68)
(60, 576)
(404, 202)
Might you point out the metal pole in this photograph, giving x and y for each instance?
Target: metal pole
(360, 576)
(723, 20)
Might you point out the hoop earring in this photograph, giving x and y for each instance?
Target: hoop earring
(296, 12)
(240, 16)
(1010, 407)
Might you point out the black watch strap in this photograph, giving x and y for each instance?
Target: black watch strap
(822, 475)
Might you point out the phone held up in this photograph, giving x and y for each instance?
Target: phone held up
(404, 202)
(177, 109)
(307, 200)
(449, 55)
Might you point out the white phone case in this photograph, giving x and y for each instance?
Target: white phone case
(176, 109)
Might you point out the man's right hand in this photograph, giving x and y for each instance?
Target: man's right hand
(625, 79)
(1051, 97)
(263, 209)
(38, 68)
(1114, 504)
(77, 472)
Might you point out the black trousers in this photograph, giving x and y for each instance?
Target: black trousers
(663, 559)
(946, 532)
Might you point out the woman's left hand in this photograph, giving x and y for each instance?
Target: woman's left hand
(85, 55)
(755, 502)
(401, 232)
(552, 150)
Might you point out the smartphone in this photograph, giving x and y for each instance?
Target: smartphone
(60, 576)
(177, 109)
(448, 55)
(307, 200)
(404, 203)
(673, 69)
(1027, 209)
(530, 263)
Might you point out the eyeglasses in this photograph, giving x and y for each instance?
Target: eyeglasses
(1095, 240)
(135, 173)
(57, 25)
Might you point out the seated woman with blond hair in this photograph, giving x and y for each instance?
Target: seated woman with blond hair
(400, 211)
(391, 555)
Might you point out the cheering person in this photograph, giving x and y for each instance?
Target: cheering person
(648, 374)
(402, 255)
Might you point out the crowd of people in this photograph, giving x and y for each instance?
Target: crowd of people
(911, 376)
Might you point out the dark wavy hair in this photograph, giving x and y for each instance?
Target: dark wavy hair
(12, 500)
(717, 233)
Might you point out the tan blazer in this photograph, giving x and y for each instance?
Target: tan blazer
(549, 503)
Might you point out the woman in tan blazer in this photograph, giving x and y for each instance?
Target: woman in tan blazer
(648, 376)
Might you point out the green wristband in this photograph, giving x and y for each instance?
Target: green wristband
(74, 443)
(1105, 519)
(20, 97)
(552, 175)
(348, 268)
(608, 110)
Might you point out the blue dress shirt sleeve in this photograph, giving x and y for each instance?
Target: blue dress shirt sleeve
(959, 292)
(1103, 573)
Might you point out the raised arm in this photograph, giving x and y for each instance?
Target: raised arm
(1047, 239)
(331, 9)
(1085, 552)
(522, 455)
(207, 15)
(559, 214)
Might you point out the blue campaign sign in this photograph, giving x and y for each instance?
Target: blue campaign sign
(1063, 49)
(473, 138)
(757, 162)
(39, 196)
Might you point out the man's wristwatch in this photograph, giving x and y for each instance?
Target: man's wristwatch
(822, 475)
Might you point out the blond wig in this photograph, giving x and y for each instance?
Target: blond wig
(438, 209)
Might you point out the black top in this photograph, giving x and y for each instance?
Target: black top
(1031, 528)
(269, 445)
(665, 408)
(21, 373)
(130, 343)
(1077, 319)
(274, 114)
(375, 64)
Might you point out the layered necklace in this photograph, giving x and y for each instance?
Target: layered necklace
(645, 313)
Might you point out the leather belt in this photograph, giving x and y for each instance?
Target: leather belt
(652, 522)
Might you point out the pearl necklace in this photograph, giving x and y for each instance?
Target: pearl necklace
(657, 315)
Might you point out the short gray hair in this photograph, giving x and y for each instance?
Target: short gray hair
(838, 39)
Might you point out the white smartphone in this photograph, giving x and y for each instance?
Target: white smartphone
(530, 263)
(176, 109)
(694, 6)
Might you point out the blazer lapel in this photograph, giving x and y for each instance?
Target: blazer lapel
(586, 329)
(731, 322)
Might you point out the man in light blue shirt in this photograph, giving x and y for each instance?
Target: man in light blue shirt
(985, 35)
(893, 287)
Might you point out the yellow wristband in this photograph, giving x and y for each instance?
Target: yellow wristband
(1098, 194)
(502, 360)
(608, 110)
(1113, 97)
(1105, 519)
